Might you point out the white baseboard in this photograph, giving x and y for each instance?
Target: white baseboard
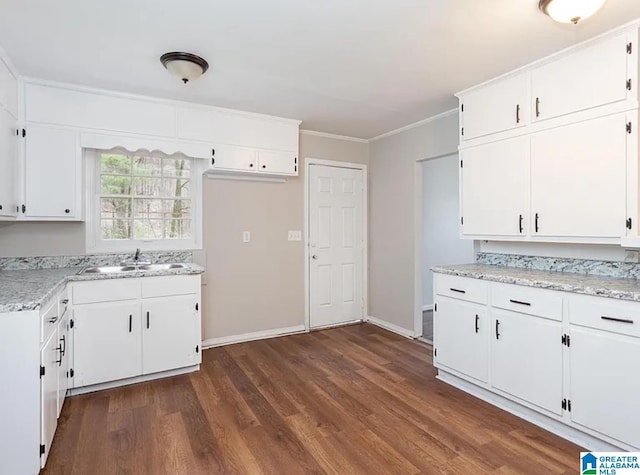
(391, 327)
(427, 307)
(261, 335)
(556, 427)
(134, 380)
(337, 325)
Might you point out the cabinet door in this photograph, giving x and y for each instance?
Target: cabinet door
(51, 173)
(526, 358)
(170, 333)
(578, 179)
(495, 188)
(282, 163)
(234, 158)
(8, 90)
(499, 106)
(589, 77)
(8, 160)
(604, 388)
(63, 365)
(106, 342)
(49, 360)
(460, 338)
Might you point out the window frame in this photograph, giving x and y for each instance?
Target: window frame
(94, 240)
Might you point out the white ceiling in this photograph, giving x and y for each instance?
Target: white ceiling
(350, 67)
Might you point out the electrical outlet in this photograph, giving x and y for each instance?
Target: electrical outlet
(246, 236)
(295, 236)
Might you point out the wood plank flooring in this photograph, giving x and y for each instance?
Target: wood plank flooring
(348, 400)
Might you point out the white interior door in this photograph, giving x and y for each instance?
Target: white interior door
(336, 232)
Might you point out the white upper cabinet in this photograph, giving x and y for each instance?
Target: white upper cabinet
(229, 158)
(98, 111)
(495, 188)
(8, 159)
(589, 77)
(578, 179)
(8, 89)
(52, 174)
(281, 163)
(246, 130)
(496, 107)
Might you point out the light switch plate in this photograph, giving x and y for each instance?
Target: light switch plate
(246, 236)
(295, 236)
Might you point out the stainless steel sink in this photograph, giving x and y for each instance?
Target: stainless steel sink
(123, 269)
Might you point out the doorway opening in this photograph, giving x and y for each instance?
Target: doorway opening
(441, 242)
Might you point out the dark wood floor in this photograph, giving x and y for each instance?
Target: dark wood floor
(349, 400)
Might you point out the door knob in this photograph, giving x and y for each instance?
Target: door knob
(314, 257)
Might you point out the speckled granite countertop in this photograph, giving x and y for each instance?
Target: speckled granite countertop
(22, 290)
(611, 287)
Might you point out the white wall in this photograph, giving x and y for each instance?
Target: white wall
(441, 220)
(395, 248)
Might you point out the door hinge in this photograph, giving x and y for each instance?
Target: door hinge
(569, 405)
(629, 223)
(197, 306)
(462, 131)
(461, 163)
(435, 308)
(461, 107)
(435, 352)
(42, 371)
(564, 404)
(71, 372)
(629, 127)
(566, 340)
(24, 208)
(629, 48)
(197, 348)
(628, 84)
(71, 323)
(41, 450)
(24, 133)
(461, 219)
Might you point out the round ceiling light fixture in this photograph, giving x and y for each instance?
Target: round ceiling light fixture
(570, 11)
(186, 66)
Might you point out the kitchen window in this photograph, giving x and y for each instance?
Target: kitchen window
(146, 200)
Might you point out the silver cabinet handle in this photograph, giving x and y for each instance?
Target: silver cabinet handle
(53, 320)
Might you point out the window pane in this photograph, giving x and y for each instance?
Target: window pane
(148, 208)
(147, 229)
(177, 209)
(147, 166)
(176, 187)
(115, 208)
(115, 185)
(147, 186)
(115, 229)
(117, 164)
(178, 228)
(176, 167)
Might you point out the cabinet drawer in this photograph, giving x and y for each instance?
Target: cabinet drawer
(49, 317)
(605, 314)
(539, 302)
(170, 285)
(105, 291)
(461, 288)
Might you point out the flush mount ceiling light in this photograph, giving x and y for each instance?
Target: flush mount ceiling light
(186, 66)
(570, 11)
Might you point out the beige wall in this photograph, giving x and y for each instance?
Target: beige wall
(259, 286)
(395, 184)
(41, 239)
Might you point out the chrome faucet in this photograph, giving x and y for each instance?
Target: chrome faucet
(136, 256)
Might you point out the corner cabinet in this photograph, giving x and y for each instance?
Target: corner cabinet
(561, 360)
(550, 151)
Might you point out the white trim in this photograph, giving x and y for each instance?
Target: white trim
(261, 335)
(426, 308)
(546, 59)
(556, 427)
(134, 380)
(332, 136)
(338, 325)
(139, 97)
(308, 161)
(391, 327)
(211, 174)
(414, 125)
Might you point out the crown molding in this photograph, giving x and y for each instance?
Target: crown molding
(332, 136)
(414, 125)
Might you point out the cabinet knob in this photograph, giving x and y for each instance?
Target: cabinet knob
(264, 166)
(0, 206)
(67, 211)
(251, 165)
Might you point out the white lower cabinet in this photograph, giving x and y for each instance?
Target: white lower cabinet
(571, 359)
(64, 348)
(526, 358)
(49, 361)
(170, 334)
(106, 342)
(461, 336)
